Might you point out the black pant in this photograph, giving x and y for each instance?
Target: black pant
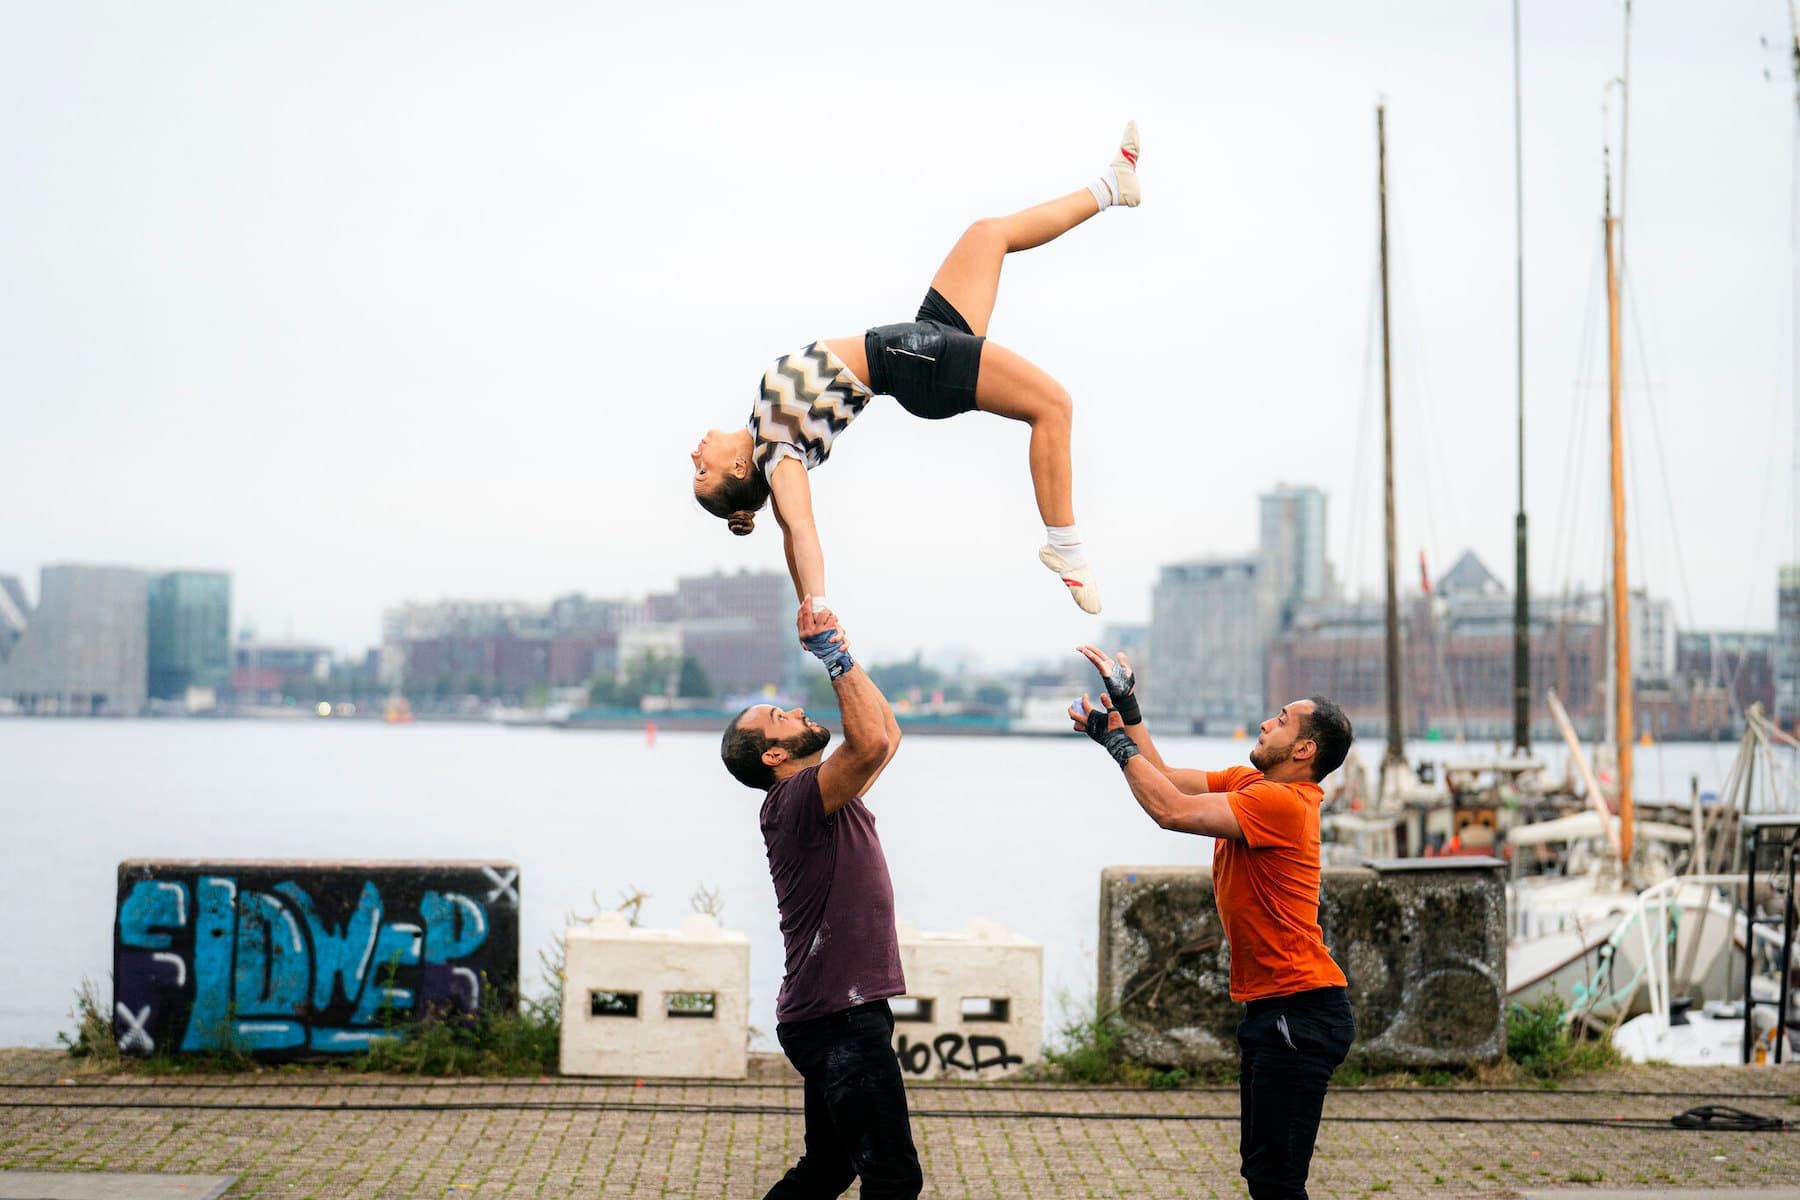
(1290, 1046)
(855, 1108)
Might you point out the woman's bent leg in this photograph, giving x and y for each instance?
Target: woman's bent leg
(970, 275)
(1009, 385)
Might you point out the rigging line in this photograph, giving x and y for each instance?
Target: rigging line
(1650, 404)
(1567, 527)
(1575, 442)
(1428, 471)
(1354, 508)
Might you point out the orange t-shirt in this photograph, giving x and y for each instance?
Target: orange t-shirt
(1267, 887)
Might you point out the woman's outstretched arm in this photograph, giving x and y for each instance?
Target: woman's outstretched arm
(792, 494)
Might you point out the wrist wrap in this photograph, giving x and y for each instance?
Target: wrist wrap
(837, 660)
(1118, 743)
(1121, 686)
(1115, 742)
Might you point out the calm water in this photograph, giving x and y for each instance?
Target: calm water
(1012, 829)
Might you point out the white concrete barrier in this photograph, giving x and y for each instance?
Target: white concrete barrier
(669, 1002)
(974, 1007)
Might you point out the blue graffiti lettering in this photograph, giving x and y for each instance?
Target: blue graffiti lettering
(245, 962)
(153, 904)
(339, 953)
(207, 1021)
(270, 978)
(396, 946)
(454, 926)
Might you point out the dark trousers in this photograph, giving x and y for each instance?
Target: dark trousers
(1290, 1046)
(856, 1122)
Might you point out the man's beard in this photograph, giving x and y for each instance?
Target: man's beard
(808, 743)
(1264, 758)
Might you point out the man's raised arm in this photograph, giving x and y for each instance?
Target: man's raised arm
(853, 767)
(1206, 813)
(1121, 688)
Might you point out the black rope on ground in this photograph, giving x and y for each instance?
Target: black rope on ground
(1727, 1119)
(1675, 1124)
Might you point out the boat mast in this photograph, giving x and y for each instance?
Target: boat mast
(1396, 748)
(1521, 563)
(1621, 627)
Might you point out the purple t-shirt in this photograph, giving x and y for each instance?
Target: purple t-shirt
(836, 902)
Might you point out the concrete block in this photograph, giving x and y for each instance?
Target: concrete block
(974, 1007)
(664, 1002)
(289, 959)
(1422, 943)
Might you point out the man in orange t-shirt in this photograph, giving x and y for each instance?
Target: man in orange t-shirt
(1297, 1025)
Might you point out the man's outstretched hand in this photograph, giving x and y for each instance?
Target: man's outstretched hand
(1105, 726)
(1120, 680)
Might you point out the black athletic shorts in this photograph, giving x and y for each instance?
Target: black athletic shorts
(929, 365)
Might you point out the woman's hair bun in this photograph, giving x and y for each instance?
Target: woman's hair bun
(741, 522)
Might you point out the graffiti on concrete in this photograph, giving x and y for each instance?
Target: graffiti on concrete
(985, 1051)
(290, 959)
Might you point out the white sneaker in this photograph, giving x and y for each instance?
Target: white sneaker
(1080, 580)
(1125, 167)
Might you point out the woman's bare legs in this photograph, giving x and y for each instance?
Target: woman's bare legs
(1010, 386)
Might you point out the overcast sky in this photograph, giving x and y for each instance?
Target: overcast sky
(369, 302)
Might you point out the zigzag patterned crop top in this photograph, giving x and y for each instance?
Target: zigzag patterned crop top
(807, 399)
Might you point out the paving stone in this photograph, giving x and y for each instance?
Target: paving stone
(297, 1135)
(96, 1185)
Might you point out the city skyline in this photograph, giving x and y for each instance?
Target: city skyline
(401, 290)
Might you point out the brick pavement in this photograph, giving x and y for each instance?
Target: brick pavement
(310, 1134)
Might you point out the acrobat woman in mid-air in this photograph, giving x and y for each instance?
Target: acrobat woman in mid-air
(936, 366)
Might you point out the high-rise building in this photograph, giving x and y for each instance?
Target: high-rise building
(1292, 547)
(83, 648)
(1210, 620)
(1787, 647)
(14, 613)
(1652, 637)
(189, 634)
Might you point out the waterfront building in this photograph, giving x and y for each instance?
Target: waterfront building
(188, 636)
(1787, 647)
(1733, 668)
(83, 648)
(1210, 620)
(1456, 658)
(740, 629)
(1292, 548)
(503, 648)
(267, 672)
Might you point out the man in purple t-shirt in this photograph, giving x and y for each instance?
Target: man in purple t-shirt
(837, 924)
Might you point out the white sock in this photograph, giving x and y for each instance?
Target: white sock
(1106, 189)
(1066, 541)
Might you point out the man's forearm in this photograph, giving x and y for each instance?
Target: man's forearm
(863, 708)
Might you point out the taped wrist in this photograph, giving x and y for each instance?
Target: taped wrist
(1118, 743)
(1121, 686)
(837, 660)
